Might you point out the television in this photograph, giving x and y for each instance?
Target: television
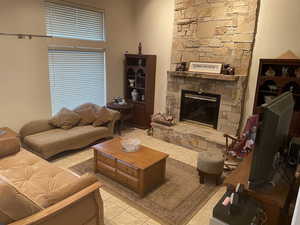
(272, 137)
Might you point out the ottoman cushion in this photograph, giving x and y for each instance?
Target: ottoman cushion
(211, 162)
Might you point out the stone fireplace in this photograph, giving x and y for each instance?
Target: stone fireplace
(208, 31)
(230, 89)
(218, 99)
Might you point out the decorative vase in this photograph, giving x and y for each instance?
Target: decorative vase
(140, 48)
(270, 72)
(131, 82)
(285, 71)
(134, 95)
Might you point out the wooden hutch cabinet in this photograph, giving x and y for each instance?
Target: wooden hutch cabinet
(140, 76)
(275, 77)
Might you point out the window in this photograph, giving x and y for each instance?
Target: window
(70, 22)
(76, 77)
(76, 74)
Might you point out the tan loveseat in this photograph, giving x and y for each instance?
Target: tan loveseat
(35, 192)
(46, 140)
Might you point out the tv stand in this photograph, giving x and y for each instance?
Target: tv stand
(275, 201)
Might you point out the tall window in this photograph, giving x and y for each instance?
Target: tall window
(70, 22)
(77, 75)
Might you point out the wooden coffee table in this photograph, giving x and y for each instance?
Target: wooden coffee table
(140, 171)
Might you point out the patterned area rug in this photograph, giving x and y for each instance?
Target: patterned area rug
(173, 203)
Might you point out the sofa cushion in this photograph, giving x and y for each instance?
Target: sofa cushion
(103, 116)
(9, 146)
(65, 119)
(51, 142)
(70, 189)
(87, 116)
(14, 205)
(33, 176)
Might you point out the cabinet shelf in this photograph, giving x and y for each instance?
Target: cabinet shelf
(269, 87)
(141, 69)
(269, 92)
(141, 88)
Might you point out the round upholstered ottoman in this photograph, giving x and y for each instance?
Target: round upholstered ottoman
(210, 163)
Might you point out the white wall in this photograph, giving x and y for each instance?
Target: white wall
(24, 86)
(278, 31)
(155, 30)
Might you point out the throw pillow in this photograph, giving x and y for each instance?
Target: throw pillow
(87, 116)
(86, 106)
(65, 119)
(103, 116)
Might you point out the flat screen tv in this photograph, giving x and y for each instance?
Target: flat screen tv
(272, 136)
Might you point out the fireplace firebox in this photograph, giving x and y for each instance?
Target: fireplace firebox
(199, 107)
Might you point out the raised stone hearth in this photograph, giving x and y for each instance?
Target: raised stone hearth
(192, 136)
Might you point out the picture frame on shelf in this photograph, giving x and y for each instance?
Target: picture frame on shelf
(205, 67)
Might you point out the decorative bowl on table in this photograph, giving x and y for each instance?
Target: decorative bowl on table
(130, 144)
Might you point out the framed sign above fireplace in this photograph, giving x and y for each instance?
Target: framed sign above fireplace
(205, 67)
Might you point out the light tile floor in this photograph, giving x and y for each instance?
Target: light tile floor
(118, 212)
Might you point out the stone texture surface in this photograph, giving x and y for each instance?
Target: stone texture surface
(192, 136)
(232, 94)
(215, 31)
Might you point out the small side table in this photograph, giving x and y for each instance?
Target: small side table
(8, 133)
(126, 111)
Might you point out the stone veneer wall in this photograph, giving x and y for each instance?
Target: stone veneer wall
(215, 31)
(232, 95)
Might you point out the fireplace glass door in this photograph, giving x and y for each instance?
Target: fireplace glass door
(201, 108)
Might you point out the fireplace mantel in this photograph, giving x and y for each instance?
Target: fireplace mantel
(205, 76)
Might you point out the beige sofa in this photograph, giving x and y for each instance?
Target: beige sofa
(46, 140)
(35, 192)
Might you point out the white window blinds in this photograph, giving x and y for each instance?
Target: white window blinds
(76, 77)
(70, 22)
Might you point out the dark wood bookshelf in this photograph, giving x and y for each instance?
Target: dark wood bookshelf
(141, 69)
(275, 77)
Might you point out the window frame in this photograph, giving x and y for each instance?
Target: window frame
(74, 44)
(79, 6)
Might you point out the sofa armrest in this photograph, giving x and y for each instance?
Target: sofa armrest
(111, 124)
(116, 114)
(68, 208)
(34, 127)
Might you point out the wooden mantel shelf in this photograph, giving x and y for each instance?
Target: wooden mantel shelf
(205, 76)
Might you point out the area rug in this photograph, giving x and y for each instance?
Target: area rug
(173, 203)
